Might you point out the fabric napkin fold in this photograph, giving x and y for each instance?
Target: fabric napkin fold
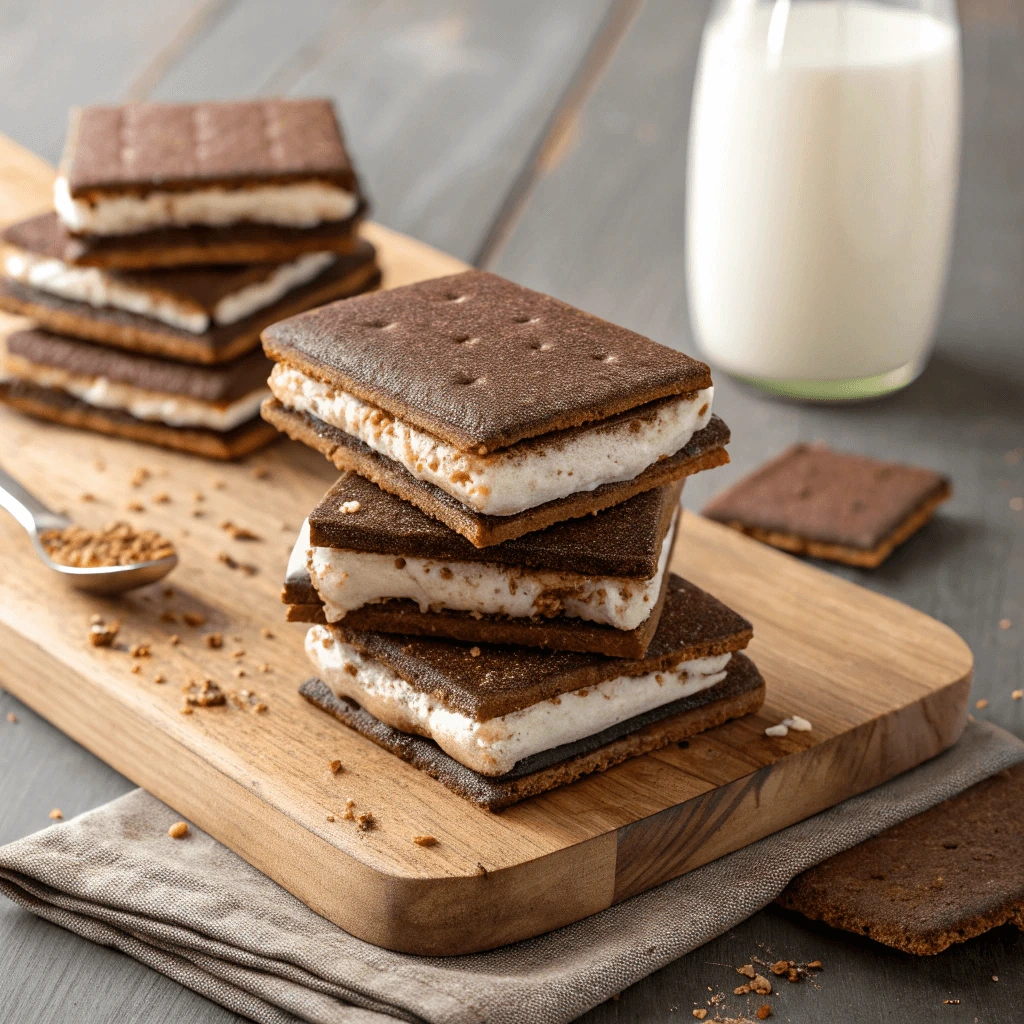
(198, 913)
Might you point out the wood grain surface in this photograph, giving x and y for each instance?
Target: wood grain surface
(606, 175)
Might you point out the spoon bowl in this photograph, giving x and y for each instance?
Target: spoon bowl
(36, 518)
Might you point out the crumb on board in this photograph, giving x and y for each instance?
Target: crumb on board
(330, 817)
(114, 544)
(139, 650)
(238, 654)
(203, 693)
(700, 1013)
(193, 619)
(334, 766)
(263, 667)
(366, 821)
(260, 472)
(178, 830)
(103, 634)
(764, 1011)
(135, 669)
(140, 476)
(236, 532)
(266, 633)
(168, 616)
(198, 496)
(159, 678)
(163, 498)
(174, 639)
(57, 814)
(214, 640)
(424, 840)
(135, 506)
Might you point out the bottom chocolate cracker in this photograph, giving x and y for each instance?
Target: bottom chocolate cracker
(60, 407)
(741, 692)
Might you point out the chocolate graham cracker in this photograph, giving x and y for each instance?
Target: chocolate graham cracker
(351, 273)
(705, 450)
(144, 147)
(939, 878)
(60, 407)
(832, 505)
(197, 245)
(498, 680)
(623, 542)
(740, 693)
(222, 383)
(437, 355)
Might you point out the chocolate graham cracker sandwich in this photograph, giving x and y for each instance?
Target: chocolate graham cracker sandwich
(832, 505)
(211, 411)
(498, 724)
(494, 409)
(198, 314)
(146, 167)
(374, 562)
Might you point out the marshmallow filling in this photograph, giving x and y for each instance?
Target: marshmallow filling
(101, 289)
(347, 580)
(302, 204)
(154, 406)
(493, 747)
(514, 479)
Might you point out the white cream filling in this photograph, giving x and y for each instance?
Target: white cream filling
(346, 580)
(102, 290)
(517, 478)
(493, 747)
(303, 204)
(156, 406)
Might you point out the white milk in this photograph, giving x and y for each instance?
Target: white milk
(824, 151)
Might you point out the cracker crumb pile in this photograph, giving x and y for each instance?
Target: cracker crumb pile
(115, 544)
(204, 693)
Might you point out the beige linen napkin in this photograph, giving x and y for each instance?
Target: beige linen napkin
(199, 914)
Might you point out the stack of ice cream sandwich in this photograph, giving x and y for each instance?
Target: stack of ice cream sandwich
(488, 579)
(179, 232)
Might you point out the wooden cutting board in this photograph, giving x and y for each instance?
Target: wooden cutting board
(885, 687)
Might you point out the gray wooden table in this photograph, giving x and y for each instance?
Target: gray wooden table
(545, 139)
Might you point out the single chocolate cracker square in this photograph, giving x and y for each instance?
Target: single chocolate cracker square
(741, 692)
(481, 362)
(842, 507)
(144, 147)
(939, 878)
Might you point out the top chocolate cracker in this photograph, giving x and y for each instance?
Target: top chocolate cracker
(142, 147)
(481, 362)
(624, 541)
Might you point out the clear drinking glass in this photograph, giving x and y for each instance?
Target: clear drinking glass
(823, 165)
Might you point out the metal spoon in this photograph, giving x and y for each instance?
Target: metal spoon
(102, 579)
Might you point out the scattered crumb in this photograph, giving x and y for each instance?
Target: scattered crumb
(780, 967)
(260, 472)
(203, 693)
(135, 506)
(777, 730)
(12, 717)
(174, 639)
(1017, 694)
(981, 704)
(330, 817)
(815, 965)
(797, 724)
(246, 700)
(185, 710)
(198, 513)
(103, 634)
(57, 814)
(115, 544)
(366, 821)
(225, 559)
(348, 507)
(99, 465)
(424, 840)
(764, 1012)
(163, 498)
(747, 970)
(168, 616)
(238, 654)
(214, 640)
(159, 678)
(193, 619)
(139, 650)
(1005, 623)
(334, 766)
(238, 532)
(263, 667)
(198, 496)
(178, 830)
(135, 669)
(700, 1014)
(218, 485)
(140, 476)
(267, 633)
(87, 497)
(238, 672)
(995, 977)
(950, 1002)
(474, 652)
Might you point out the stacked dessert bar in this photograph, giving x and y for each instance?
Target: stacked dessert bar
(179, 232)
(488, 580)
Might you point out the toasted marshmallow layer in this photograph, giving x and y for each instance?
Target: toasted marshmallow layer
(346, 580)
(493, 747)
(157, 406)
(104, 290)
(514, 479)
(303, 204)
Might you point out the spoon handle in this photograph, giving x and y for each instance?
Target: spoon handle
(26, 508)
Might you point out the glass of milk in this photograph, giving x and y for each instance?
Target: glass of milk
(823, 164)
